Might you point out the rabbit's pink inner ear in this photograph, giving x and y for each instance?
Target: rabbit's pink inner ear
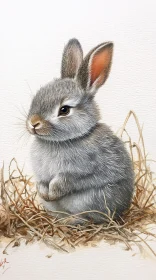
(100, 66)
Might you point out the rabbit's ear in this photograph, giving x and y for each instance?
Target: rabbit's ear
(95, 68)
(72, 58)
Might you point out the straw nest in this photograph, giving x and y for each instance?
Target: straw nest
(23, 217)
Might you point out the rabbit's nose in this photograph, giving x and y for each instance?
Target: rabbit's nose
(36, 122)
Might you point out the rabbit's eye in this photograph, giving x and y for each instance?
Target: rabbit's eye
(64, 111)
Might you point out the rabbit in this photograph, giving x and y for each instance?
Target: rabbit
(80, 165)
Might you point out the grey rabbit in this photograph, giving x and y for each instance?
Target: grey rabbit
(79, 164)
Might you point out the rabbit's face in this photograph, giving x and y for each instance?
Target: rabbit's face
(62, 110)
(65, 109)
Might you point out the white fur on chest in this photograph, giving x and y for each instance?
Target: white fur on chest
(51, 160)
(46, 162)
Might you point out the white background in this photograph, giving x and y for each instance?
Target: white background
(32, 37)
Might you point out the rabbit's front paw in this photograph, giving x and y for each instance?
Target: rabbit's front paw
(42, 190)
(55, 190)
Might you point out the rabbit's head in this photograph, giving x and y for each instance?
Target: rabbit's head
(65, 108)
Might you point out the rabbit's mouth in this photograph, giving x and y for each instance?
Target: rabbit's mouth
(39, 132)
(37, 126)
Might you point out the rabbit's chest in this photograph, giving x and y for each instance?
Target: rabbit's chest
(49, 162)
(46, 162)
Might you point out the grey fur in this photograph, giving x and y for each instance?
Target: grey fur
(80, 165)
(71, 59)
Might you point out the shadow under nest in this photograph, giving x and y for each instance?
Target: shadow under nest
(21, 215)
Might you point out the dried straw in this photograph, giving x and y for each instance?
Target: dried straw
(22, 216)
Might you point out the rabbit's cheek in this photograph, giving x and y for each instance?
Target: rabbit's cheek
(42, 191)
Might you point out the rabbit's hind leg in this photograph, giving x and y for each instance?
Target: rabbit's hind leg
(99, 204)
